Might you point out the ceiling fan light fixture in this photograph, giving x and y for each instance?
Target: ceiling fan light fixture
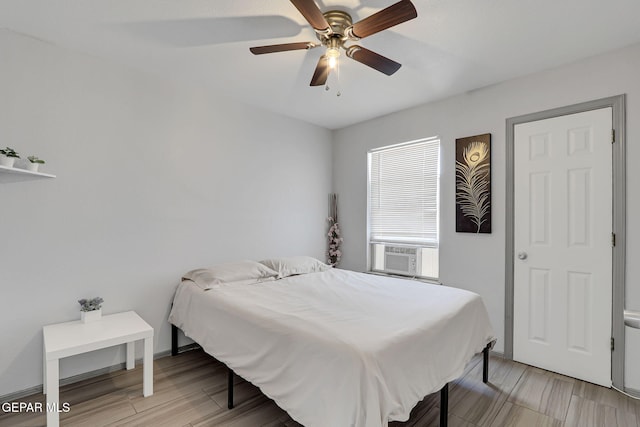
(332, 55)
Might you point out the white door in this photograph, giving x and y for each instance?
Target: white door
(562, 241)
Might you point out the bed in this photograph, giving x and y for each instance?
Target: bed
(334, 347)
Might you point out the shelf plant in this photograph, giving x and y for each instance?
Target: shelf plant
(34, 163)
(34, 159)
(8, 157)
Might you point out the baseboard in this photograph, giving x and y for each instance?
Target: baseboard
(496, 353)
(88, 375)
(20, 394)
(188, 347)
(633, 392)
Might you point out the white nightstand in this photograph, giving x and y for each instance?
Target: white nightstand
(71, 338)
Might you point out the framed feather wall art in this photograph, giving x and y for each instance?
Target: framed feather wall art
(473, 184)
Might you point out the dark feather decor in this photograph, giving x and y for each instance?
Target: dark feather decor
(473, 184)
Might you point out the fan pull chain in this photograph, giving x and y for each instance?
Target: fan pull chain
(336, 73)
(327, 88)
(337, 70)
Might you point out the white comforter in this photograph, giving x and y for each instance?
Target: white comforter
(338, 348)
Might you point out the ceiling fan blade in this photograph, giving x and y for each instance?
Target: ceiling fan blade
(312, 13)
(193, 32)
(373, 60)
(321, 73)
(393, 15)
(259, 50)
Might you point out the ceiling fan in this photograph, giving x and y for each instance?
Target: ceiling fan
(335, 28)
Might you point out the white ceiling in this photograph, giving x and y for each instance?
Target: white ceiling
(452, 47)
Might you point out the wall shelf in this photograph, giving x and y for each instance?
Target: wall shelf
(24, 172)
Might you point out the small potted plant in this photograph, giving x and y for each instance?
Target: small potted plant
(33, 164)
(8, 156)
(90, 309)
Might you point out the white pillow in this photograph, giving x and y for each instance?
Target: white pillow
(289, 266)
(207, 285)
(230, 272)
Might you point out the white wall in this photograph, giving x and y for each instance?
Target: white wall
(477, 262)
(153, 179)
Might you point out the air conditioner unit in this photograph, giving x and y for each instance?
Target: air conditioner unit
(401, 260)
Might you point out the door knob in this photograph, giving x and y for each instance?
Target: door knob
(522, 255)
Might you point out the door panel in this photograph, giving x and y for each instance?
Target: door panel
(539, 305)
(562, 241)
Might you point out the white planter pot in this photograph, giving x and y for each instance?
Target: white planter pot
(90, 316)
(7, 161)
(33, 167)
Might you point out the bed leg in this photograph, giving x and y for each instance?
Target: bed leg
(230, 389)
(174, 340)
(444, 405)
(485, 364)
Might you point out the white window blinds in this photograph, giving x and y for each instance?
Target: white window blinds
(403, 193)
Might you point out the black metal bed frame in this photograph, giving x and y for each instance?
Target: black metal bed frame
(444, 391)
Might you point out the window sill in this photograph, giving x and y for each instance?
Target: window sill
(400, 276)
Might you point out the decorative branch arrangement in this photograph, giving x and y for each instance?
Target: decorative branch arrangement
(334, 238)
(473, 184)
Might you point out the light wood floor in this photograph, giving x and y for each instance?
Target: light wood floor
(190, 391)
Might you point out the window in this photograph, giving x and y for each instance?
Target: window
(403, 208)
